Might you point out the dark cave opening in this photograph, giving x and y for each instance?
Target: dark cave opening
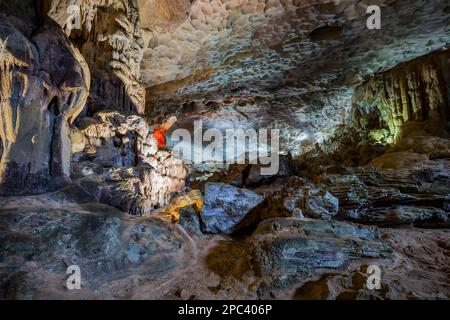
(54, 113)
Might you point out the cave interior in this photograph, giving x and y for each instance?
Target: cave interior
(311, 146)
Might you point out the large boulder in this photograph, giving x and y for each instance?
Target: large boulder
(225, 207)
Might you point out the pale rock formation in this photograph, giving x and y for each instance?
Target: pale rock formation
(225, 207)
(410, 100)
(413, 91)
(162, 16)
(292, 46)
(122, 158)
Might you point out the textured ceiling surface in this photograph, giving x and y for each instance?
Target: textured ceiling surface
(286, 64)
(305, 45)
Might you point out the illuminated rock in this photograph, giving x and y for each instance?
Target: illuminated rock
(193, 198)
(225, 207)
(134, 175)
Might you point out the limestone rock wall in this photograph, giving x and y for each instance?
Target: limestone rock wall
(57, 77)
(415, 91)
(108, 35)
(44, 83)
(412, 97)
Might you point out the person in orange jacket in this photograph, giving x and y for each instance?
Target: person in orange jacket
(160, 132)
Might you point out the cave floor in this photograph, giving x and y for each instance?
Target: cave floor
(126, 257)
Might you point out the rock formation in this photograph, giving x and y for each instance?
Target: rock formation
(226, 207)
(414, 91)
(108, 35)
(45, 85)
(118, 160)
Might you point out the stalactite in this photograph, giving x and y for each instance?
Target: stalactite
(413, 91)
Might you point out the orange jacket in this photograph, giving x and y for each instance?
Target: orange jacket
(160, 136)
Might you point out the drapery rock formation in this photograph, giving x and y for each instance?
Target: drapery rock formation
(364, 153)
(414, 91)
(412, 97)
(44, 86)
(109, 37)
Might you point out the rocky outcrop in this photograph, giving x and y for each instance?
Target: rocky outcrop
(41, 237)
(415, 194)
(118, 157)
(413, 98)
(301, 198)
(44, 86)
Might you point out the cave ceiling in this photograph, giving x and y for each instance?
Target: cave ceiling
(283, 64)
(286, 46)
